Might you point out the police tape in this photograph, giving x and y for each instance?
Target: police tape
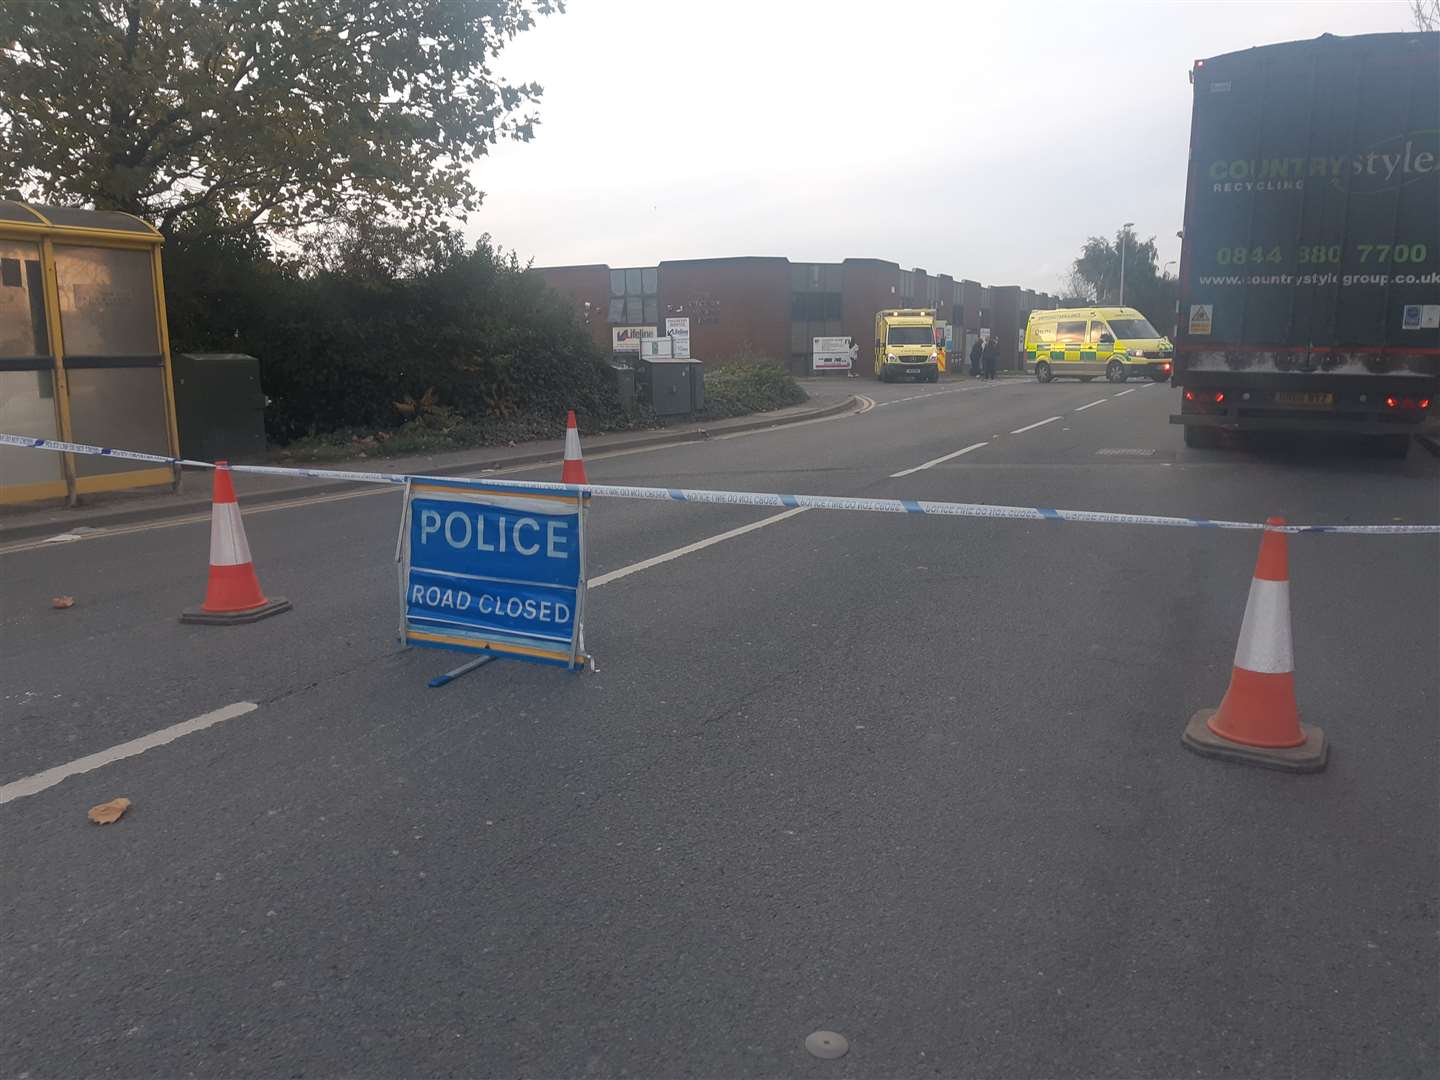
(739, 498)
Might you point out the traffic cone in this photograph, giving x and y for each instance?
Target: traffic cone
(573, 471)
(233, 595)
(1258, 722)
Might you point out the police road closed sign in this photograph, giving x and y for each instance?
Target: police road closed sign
(494, 570)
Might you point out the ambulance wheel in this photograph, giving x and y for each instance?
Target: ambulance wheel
(1115, 371)
(1201, 438)
(1043, 372)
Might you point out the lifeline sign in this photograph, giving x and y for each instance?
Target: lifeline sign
(497, 570)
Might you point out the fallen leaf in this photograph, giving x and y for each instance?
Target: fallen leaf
(62, 601)
(109, 812)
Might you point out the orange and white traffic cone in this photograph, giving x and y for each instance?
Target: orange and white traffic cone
(233, 595)
(1258, 722)
(573, 471)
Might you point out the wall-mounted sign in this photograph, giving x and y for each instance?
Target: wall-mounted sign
(628, 338)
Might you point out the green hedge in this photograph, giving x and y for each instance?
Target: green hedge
(340, 347)
(738, 389)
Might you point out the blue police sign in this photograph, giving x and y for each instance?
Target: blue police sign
(498, 570)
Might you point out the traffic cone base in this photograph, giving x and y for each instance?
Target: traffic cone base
(1312, 755)
(273, 605)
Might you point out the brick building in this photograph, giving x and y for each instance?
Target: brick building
(770, 308)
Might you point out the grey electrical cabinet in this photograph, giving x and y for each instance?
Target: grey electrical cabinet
(219, 406)
(677, 387)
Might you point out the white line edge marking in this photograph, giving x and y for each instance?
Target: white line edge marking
(645, 564)
(1032, 427)
(938, 460)
(33, 785)
(1132, 389)
(1092, 404)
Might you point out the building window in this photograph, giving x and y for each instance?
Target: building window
(634, 297)
(814, 306)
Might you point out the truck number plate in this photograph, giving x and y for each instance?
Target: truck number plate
(1304, 399)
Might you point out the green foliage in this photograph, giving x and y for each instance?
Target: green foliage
(339, 348)
(276, 113)
(738, 389)
(1095, 279)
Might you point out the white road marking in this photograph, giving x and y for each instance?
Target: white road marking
(645, 564)
(1122, 393)
(33, 785)
(938, 460)
(1032, 427)
(1092, 404)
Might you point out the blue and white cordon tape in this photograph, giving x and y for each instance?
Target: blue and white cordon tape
(741, 498)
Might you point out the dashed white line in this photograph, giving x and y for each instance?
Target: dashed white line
(1092, 404)
(33, 785)
(1032, 427)
(938, 460)
(1132, 389)
(645, 564)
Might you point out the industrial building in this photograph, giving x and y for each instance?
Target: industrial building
(770, 308)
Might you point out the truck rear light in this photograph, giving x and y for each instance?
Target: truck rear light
(1219, 397)
(1189, 395)
(1391, 402)
(1425, 403)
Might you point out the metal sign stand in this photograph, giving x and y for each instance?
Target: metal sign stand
(463, 669)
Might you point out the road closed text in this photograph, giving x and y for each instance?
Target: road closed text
(486, 601)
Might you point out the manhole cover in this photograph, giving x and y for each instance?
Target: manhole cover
(827, 1044)
(1117, 451)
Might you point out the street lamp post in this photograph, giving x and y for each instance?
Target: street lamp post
(1124, 243)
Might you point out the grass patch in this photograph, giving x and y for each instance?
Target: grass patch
(427, 437)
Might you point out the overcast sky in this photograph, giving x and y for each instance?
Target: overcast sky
(981, 140)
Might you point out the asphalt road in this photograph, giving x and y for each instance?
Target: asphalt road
(915, 780)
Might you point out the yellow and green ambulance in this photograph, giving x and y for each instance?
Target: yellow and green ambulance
(1083, 343)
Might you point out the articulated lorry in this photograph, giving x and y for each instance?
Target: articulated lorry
(1310, 262)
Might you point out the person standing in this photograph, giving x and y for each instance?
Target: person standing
(989, 357)
(976, 352)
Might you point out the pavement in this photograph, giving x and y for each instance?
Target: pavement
(914, 780)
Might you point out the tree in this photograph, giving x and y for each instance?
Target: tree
(265, 114)
(1094, 278)
(1426, 14)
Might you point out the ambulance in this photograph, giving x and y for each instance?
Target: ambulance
(905, 345)
(1083, 343)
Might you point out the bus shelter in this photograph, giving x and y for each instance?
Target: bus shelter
(84, 353)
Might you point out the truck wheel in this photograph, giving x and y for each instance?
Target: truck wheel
(1395, 446)
(1201, 438)
(1043, 372)
(1115, 371)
